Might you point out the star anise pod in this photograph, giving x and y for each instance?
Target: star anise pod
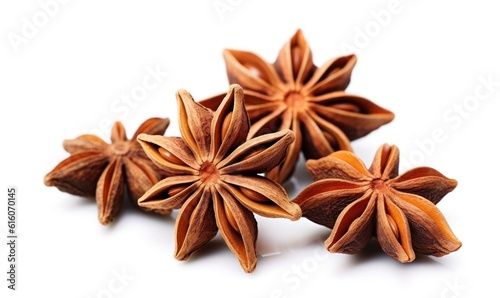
(101, 170)
(214, 177)
(295, 94)
(360, 203)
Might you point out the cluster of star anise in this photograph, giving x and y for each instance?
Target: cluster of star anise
(271, 113)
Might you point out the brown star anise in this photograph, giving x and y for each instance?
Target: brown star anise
(214, 176)
(295, 94)
(359, 203)
(101, 170)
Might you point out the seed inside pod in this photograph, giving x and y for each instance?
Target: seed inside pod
(231, 219)
(169, 156)
(252, 153)
(175, 189)
(331, 140)
(297, 57)
(353, 223)
(349, 107)
(394, 227)
(225, 124)
(253, 195)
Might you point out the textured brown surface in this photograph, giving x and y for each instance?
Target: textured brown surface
(105, 171)
(359, 203)
(295, 94)
(215, 180)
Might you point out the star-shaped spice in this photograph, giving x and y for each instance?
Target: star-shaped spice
(295, 94)
(214, 177)
(360, 203)
(101, 170)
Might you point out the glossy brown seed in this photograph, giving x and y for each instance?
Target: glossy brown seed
(226, 123)
(169, 156)
(253, 195)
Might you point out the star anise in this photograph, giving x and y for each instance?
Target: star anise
(295, 94)
(214, 177)
(360, 203)
(101, 170)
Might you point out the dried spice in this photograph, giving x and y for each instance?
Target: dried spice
(295, 94)
(101, 170)
(360, 203)
(214, 177)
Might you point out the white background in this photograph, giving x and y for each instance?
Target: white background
(421, 59)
